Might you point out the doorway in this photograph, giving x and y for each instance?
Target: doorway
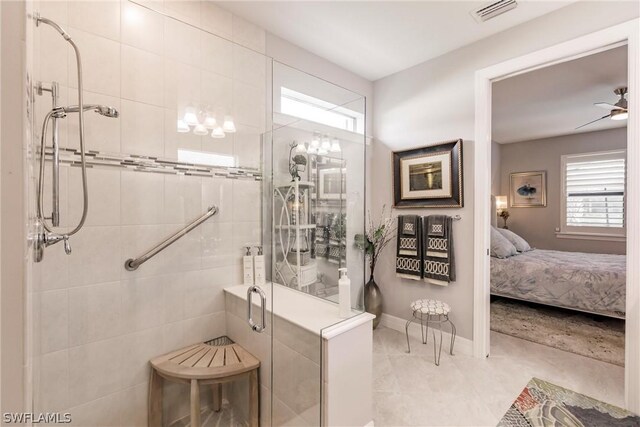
(603, 40)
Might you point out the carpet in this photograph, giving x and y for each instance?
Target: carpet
(598, 337)
(543, 404)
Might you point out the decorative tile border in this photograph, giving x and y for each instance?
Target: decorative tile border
(152, 164)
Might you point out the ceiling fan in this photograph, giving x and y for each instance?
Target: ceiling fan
(618, 111)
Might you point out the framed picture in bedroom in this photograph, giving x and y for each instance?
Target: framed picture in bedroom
(429, 177)
(528, 189)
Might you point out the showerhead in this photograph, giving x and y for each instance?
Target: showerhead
(103, 110)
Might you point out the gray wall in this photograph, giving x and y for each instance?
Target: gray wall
(496, 176)
(537, 225)
(434, 101)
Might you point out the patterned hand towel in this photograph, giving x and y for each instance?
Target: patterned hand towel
(409, 252)
(439, 260)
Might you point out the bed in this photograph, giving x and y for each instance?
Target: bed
(588, 282)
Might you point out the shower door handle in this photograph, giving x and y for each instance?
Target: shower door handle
(263, 306)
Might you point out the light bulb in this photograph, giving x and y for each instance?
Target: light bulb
(335, 146)
(190, 116)
(217, 133)
(210, 121)
(183, 127)
(619, 115)
(315, 142)
(200, 130)
(323, 151)
(228, 126)
(326, 144)
(300, 148)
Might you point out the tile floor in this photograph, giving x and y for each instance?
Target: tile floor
(409, 390)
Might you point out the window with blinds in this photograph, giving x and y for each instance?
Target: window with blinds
(594, 190)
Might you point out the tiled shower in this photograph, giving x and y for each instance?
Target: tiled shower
(97, 324)
(94, 325)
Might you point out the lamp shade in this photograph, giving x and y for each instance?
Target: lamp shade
(217, 133)
(501, 203)
(228, 126)
(182, 127)
(191, 116)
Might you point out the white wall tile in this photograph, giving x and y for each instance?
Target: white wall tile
(52, 57)
(100, 133)
(142, 198)
(217, 238)
(218, 192)
(105, 411)
(142, 128)
(96, 372)
(55, 269)
(217, 92)
(182, 199)
(134, 399)
(248, 34)
(182, 42)
(137, 240)
(182, 86)
(104, 196)
(173, 337)
(56, 10)
(53, 382)
(185, 254)
(247, 200)
(142, 76)
(248, 106)
(54, 321)
(216, 20)
(100, 63)
(175, 141)
(95, 256)
(245, 234)
(205, 296)
(142, 28)
(201, 329)
(143, 299)
(96, 312)
(217, 54)
(185, 10)
(247, 147)
(174, 294)
(140, 347)
(101, 18)
(249, 66)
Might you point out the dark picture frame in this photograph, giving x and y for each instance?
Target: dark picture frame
(429, 177)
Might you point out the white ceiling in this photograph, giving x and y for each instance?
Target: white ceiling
(376, 38)
(553, 101)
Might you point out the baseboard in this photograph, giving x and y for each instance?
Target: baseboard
(463, 346)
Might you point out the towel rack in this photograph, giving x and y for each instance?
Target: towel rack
(133, 263)
(456, 217)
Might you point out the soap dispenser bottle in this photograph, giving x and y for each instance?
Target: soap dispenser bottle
(344, 293)
(247, 267)
(258, 265)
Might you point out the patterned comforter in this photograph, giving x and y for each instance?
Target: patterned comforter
(591, 282)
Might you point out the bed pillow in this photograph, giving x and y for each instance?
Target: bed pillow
(500, 246)
(517, 241)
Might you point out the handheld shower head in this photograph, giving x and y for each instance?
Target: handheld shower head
(103, 110)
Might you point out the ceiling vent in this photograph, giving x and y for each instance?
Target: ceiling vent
(492, 10)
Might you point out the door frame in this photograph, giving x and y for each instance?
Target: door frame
(626, 33)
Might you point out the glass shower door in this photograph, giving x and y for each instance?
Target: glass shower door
(314, 208)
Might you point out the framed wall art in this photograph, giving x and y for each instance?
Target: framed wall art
(528, 189)
(430, 176)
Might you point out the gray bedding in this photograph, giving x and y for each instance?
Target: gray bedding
(582, 281)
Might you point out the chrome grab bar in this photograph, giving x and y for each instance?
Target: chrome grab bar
(263, 301)
(133, 263)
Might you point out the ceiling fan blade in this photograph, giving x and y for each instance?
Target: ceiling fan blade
(607, 106)
(593, 121)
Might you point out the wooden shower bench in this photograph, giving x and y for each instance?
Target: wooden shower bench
(203, 364)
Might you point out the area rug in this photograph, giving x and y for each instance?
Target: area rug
(593, 336)
(543, 404)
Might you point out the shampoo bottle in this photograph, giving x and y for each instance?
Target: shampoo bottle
(344, 293)
(247, 267)
(258, 265)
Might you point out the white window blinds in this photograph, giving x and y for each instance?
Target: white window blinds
(594, 190)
